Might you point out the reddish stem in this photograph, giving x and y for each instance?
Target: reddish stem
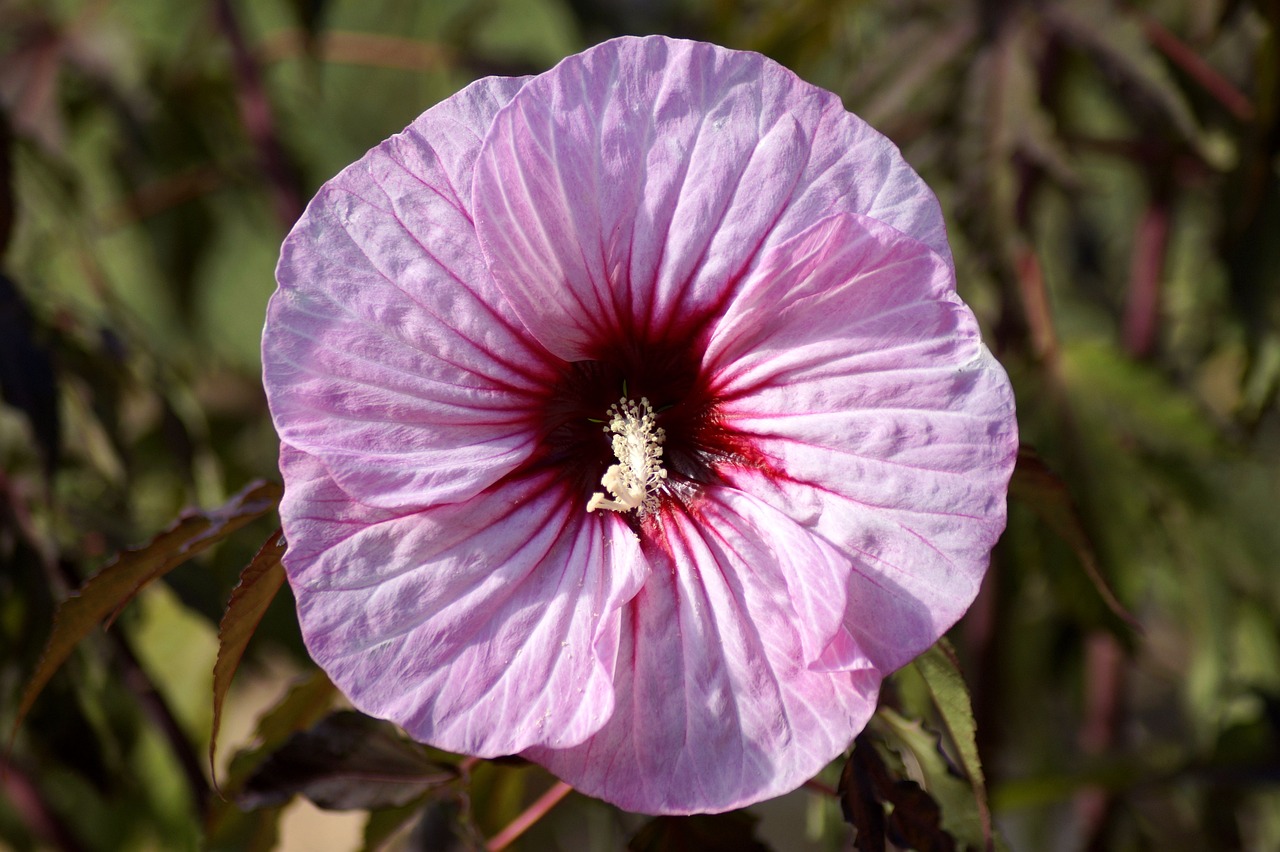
(822, 787)
(1181, 54)
(1146, 269)
(531, 815)
(29, 805)
(1037, 312)
(1104, 690)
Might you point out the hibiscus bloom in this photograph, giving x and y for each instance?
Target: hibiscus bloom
(630, 422)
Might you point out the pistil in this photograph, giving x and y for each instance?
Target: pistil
(637, 444)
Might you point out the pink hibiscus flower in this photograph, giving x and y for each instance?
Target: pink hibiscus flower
(630, 422)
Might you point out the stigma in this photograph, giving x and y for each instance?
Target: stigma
(637, 444)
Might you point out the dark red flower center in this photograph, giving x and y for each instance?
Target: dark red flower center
(669, 374)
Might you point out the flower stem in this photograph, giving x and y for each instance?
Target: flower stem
(532, 814)
(819, 786)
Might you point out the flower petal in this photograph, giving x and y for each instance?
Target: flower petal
(629, 189)
(485, 627)
(716, 706)
(849, 363)
(388, 351)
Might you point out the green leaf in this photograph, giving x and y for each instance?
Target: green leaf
(259, 583)
(941, 673)
(731, 832)
(106, 593)
(256, 831)
(1137, 403)
(348, 761)
(924, 761)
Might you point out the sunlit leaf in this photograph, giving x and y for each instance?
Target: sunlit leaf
(731, 832)
(941, 674)
(347, 762)
(259, 583)
(927, 765)
(115, 585)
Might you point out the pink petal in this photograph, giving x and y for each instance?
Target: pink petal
(484, 628)
(388, 351)
(716, 705)
(850, 364)
(632, 187)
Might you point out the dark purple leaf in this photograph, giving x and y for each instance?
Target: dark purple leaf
(7, 206)
(226, 826)
(441, 826)
(27, 378)
(259, 582)
(348, 761)
(859, 799)
(103, 596)
(731, 832)
(881, 807)
(916, 820)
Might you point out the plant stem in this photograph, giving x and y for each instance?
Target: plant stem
(532, 814)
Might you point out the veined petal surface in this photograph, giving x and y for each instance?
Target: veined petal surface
(483, 627)
(388, 351)
(636, 184)
(718, 704)
(850, 364)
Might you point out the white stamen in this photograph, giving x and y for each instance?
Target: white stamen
(637, 444)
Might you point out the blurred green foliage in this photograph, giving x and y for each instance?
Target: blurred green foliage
(1110, 173)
